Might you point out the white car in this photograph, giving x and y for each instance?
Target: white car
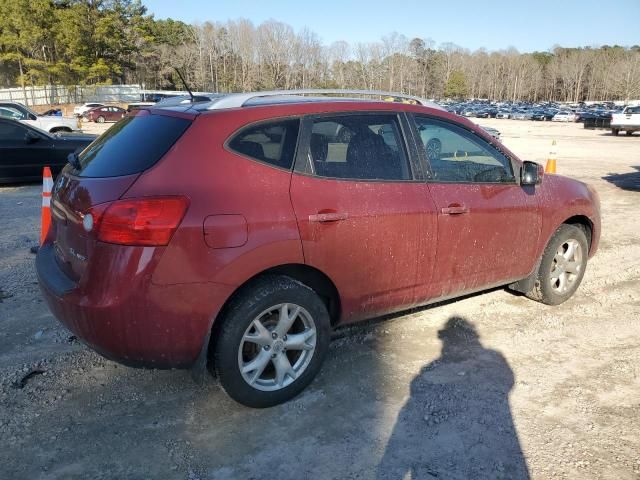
(82, 109)
(564, 117)
(48, 123)
(628, 120)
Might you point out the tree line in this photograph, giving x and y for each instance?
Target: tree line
(98, 42)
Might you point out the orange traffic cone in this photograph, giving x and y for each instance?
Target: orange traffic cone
(47, 185)
(551, 166)
(551, 163)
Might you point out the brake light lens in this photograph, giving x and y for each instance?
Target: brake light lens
(149, 221)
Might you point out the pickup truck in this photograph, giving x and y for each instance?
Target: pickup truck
(628, 120)
(48, 123)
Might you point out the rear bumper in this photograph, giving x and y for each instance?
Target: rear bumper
(622, 126)
(117, 311)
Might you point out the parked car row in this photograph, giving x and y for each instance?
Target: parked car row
(48, 123)
(29, 140)
(548, 111)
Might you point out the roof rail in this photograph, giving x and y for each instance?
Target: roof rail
(235, 100)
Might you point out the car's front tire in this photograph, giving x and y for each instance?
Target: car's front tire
(272, 342)
(562, 266)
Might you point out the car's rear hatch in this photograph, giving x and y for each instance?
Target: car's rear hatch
(104, 171)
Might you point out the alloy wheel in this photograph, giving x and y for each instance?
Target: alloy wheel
(567, 264)
(277, 347)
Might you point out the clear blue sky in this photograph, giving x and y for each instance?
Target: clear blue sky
(498, 24)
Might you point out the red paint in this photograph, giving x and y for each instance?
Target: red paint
(494, 235)
(225, 231)
(372, 253)
(385, 245)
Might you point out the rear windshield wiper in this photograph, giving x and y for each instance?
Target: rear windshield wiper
(73, 159)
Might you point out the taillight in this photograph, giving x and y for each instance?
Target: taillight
(139, 221)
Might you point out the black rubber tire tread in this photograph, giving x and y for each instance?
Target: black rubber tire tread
(257, 296)
(542, 290)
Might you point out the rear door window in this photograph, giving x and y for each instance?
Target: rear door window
(358, 146)
(272, 142)
(131, 145)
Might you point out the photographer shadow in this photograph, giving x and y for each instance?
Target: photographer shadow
(457, 422)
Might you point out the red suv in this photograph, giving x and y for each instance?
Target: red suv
(237, 232)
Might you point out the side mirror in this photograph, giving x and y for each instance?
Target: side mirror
(30, 137)
(531, 173)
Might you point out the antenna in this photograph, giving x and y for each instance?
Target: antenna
(184, 83)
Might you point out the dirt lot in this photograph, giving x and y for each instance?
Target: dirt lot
(491, 386)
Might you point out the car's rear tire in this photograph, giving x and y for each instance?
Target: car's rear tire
(614, 132)
(272, 341)
(629, 133)
(562, 266)
(100, 119)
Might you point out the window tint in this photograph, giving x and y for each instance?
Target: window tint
(10, 112)
(367, 147)
(131, 145)
(456, 155)
(270, 142)
(10, 131)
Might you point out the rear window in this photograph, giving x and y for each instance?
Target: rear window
(272, 142)
(132, 145)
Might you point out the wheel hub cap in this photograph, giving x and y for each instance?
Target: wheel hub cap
(278, 346)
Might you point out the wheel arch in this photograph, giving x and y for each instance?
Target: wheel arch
(583, 222)
(60, 129)
(310, 276)
(313, 278)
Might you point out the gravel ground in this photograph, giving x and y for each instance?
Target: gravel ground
(489, 386)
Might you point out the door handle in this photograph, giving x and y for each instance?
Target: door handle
(328, 217)
(455, 209)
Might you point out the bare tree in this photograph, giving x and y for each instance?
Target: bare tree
(238, 56)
